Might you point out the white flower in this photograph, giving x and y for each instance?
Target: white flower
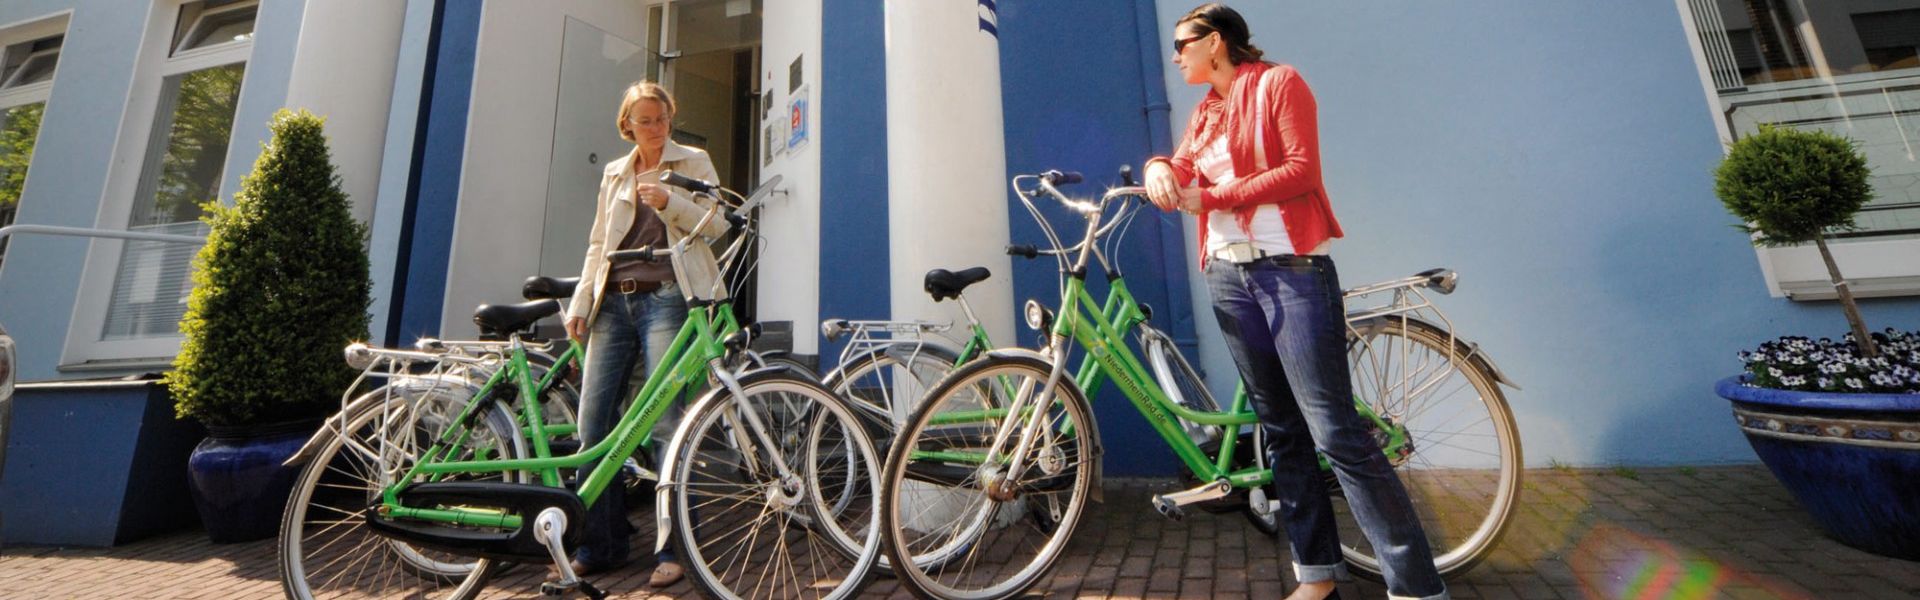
(1773, 371)
(1826, 382)
(1854, 382)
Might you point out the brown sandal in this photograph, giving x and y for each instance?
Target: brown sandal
(666, 574)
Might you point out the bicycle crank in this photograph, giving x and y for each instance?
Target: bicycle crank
(1169, 505)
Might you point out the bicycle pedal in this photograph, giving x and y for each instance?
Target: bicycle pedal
(635, 471)
(555, 589)
(1168, 508)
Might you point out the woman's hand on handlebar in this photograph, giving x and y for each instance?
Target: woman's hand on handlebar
(577, 328)
(1189, 200)
(1162, 189)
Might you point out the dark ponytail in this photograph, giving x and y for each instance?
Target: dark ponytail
(1214, 17)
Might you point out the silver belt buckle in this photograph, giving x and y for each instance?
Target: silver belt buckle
(1241, 252)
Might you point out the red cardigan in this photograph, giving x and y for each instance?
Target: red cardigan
(1292, 139)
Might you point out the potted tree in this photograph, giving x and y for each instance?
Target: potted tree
(1838, 423)
(279, 288)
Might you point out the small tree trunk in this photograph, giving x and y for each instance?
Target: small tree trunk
(1865, 340)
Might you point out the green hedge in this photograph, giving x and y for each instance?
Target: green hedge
(280, 287)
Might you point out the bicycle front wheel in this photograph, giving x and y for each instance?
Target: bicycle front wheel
(963, 525)
(326, 549)
(1448, 432)
(749, 530)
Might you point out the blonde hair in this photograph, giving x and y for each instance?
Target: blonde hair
(641, 90)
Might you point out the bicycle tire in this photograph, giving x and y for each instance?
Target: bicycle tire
(986, 530)
(874, 380)
(1465, 500)
(716, 458)
(409, 571)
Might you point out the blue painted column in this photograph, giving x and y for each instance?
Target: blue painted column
(433, 189)
(853, 166)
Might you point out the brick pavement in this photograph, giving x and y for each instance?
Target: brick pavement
(1710, 532)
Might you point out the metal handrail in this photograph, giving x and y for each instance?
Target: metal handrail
(11, 230)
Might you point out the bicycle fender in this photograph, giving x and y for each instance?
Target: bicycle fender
(1473, 351)
(1098, 491)
(334, 424)
(1468, 351)
(663, 491)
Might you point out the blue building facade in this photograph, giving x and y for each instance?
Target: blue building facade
(1557, 155)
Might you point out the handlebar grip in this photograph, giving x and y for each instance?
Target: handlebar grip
(686, 183)
(1059, 178)
(737, 220)
(1126, 176)
(642, 254)
(1023, 250)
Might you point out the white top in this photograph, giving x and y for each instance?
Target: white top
(1266, 231)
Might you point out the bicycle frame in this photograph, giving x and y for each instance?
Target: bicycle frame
(697, 350)
(1100, 329)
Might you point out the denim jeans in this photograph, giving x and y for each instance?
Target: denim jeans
(1285, 325)
(628, 338)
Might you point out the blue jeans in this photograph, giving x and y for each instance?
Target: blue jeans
(628, 338)
(1285, 325)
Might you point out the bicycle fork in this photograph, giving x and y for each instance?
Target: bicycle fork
(999, 487)
(790, 485)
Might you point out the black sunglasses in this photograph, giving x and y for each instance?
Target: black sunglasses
(1181, 45)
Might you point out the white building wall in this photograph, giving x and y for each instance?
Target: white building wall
(790, 262)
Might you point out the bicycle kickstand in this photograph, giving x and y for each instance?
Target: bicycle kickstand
(551, 527)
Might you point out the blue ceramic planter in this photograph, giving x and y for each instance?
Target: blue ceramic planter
(1851, 460)
(239, 484)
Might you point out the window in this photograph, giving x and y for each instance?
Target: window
(1850, 67)
(213, 23)
(183, 156)
(28, 63)
(26, 77)
(182, 171)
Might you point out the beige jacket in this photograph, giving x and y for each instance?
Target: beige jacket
(615, 216)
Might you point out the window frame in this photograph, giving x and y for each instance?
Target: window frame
(36, 29)
(1874, 266)
(31, 30)
(85, 350)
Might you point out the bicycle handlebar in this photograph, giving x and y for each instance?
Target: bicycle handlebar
(1060, 178)
(645, 253)
(686, 183)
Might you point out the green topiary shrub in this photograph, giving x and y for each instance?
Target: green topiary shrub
(1790, 187)
(280, 287)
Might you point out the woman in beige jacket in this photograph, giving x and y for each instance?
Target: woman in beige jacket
(629, 311)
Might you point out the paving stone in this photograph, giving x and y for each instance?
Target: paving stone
(1577, 534)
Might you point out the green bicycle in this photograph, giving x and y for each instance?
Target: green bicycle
(991, 474)
(413, 495)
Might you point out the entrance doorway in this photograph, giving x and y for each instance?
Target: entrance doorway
(706, 52)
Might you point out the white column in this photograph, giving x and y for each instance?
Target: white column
(947, 181)
(343, 68)
(946, 158)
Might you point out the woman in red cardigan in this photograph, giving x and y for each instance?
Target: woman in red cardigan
(1249, 168)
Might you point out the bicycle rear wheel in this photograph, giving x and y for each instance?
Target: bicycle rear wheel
(743, 529)
(326, 549)
(885, 383)
(947, 535)
(1461, 465)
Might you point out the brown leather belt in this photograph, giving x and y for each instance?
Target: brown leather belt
(635, 286)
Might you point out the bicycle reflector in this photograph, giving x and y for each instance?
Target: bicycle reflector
(1038, 317)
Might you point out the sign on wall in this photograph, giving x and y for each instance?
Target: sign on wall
(797, 119)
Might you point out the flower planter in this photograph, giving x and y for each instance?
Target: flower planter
(239, 484)
(1851, 460)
